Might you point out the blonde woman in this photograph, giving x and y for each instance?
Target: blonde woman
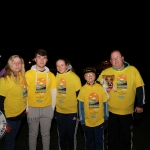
(13, 94)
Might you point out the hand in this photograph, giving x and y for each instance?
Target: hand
(8, 128)
(138, 110)
(78, 119)
(84, 128)
(137, 118)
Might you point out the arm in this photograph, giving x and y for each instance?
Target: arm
(81, 112)
(106, 116)
(53, 92)
(77, 92)
(106, 113)
(81, 115)
(2, 98)
(140, 95)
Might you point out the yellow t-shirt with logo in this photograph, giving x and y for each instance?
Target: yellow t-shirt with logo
(39, 85)
(67, 85)
(126, 81)
(15, 96)
(93, 97)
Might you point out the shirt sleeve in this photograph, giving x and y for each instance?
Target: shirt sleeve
(81, 112)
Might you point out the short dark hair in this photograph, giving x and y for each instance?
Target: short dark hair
(41, 52)
(89, 69)
(116, 50)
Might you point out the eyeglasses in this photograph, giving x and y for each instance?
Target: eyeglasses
(89, 75)
(117, 58)
(16, 63)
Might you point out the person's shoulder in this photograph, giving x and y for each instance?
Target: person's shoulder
(106, 70)
(83, 87)
(132, 68)
(30, 71)
(73, 73)
(1, 79)
(4, 79)
(51, 73)
(98, 86)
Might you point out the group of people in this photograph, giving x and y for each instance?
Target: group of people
(41, 96)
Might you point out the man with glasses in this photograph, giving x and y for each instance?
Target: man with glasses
(129, 85)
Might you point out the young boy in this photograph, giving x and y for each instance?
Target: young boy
(92, 99)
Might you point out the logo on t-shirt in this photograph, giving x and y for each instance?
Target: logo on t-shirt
(121, 84)
(24, 89)
(93, 100)
(41, 85)
(62, 86)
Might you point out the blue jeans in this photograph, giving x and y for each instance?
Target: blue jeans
(10, 138)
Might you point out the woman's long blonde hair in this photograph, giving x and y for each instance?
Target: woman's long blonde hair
(10, 73)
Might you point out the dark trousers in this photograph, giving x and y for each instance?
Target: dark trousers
(95, 138)
(120, 132)
(67, 125)
(10, 138)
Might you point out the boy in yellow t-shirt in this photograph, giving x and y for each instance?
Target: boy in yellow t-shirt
(92, 99)
(41, 85)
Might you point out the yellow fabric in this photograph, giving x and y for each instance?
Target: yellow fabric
(126, 81)
(39, 85)
(67, 85)
(93, 98)
(15, 101)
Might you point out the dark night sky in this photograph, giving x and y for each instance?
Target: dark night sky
(85, 38)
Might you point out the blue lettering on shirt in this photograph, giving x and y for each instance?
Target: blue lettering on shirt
(39, 101)
(121, 97)
(61, 101)
(93, 116)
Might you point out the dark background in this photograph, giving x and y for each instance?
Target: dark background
(84, 33)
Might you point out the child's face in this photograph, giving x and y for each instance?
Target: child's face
(90, 77)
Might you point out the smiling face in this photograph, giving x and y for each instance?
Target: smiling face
(117, 60)
(90, 77)
(61, 66)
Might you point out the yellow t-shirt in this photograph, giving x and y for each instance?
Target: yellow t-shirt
(67, 85)
(15, 101)
(39, 85)
(126, 81)
(93, 98)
